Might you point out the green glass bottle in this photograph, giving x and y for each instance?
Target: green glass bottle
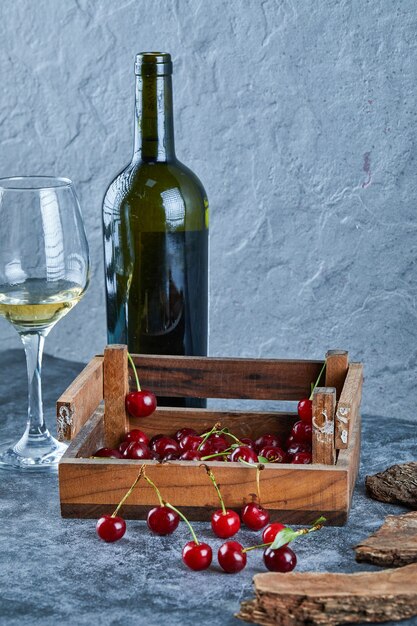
(155, 223)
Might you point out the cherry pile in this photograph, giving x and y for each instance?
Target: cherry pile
(220, 444)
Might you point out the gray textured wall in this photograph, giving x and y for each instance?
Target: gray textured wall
(300, 118)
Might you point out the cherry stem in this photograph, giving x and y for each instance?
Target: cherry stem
(152, 484)
(212, 456)
(260, 545)
(318, 380)
(182, 516)
(205, 436)
(134, 371)
(125, 497)
(216, 486)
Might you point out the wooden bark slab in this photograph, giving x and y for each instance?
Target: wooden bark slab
(394, 544)
(329, 599)
(397, 485)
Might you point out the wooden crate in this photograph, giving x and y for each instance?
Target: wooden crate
(91, 414)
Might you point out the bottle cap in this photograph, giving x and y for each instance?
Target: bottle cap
(153, 64)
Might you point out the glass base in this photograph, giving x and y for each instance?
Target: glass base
(39, 452)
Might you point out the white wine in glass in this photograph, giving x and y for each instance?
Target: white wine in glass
(44, 272)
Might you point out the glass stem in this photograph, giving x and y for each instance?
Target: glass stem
(33, 343)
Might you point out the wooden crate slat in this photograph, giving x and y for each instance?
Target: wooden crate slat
(324, 405)
(348, 405)
(116, 387)
(79, 400)
(241, 423)
(283, 487)
(212, 377)
(337, 364)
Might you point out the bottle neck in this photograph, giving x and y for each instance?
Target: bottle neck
(154, 124)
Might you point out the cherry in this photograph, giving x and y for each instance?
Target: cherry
(245, 453)
(271, 531)
(225, 524)
(218, 443)
(123, 446)
(302, 458)
(206, 450)
(302, 432)
(110, 528)
(154, 439)
(281, 560)
(295, 448)
(190, 455)
(137, 435)
(248, 442)
(305, 410)
(267, 440)
(290, 440)
(137, 451)
(109, 453)
(255, 516)
(182, 432)
(231, 557)
(273, 454)
(162, 520)
(171, 456)
(165, 445)
(190, 442)
(140, 403)
(197, 556)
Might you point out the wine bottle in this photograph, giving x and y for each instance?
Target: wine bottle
(155, 224)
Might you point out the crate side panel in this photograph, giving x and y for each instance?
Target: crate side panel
(211, 377)
(305, 489)
(241, 423)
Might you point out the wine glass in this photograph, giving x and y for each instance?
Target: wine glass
(44, 272)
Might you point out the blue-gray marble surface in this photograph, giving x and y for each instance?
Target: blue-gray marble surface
(56, 571)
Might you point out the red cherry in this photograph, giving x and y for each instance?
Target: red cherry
(281, 560)
(182, 432)
(267, 440)
(123, 446)
(273, 454)
(140, 403)
(255, 516)
(225, 525)
(165, 445)
(231, 557)
(108, 452)
(197, 556)
(162, 520)
(205, 449)
(190, 455)
(302, 432)
(137, 451)
(302, 458)
(155, 438)
(218, 443)
(290, 440)
(245, 453)
(190, 442)
(305, 410)
(271, 531)
(137, 435)
(295, 448)
(110, 528)
(247, 442)
(171, 456)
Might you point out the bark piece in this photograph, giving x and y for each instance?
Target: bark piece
(397, 485)
(392, 545)
(314, 599)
